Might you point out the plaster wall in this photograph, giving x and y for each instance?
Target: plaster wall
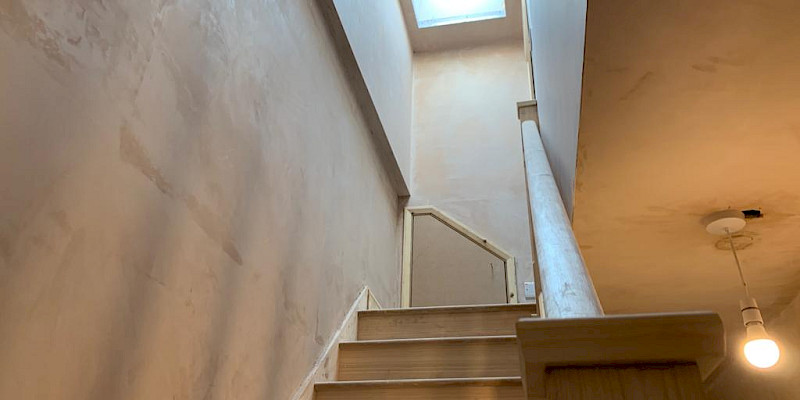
(377, 34)
(449, 269)
(557, 42)
(688, 110)
(666, 139)
(467, 147)
(189, 199)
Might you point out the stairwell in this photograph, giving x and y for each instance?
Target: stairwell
(443, 353)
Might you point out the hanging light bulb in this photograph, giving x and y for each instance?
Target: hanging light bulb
(759, 349)
(762, 353)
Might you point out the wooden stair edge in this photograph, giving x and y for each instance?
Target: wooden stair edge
(488, 381)
(429, 358)
(624, 339)
(453, 339)
(498, 388)
(452, 309)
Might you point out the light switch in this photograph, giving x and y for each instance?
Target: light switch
(530, 290)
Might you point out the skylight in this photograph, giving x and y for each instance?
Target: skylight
(432, 13)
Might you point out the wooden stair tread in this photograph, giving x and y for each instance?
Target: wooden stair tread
(497, 381)
(451, 309)
(450, 321)
(671, 338)
(457, 339)
(428, 358)
(499, 388)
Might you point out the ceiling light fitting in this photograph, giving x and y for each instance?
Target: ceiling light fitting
(759, 350)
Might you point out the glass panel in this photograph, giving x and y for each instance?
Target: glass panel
(432, 13)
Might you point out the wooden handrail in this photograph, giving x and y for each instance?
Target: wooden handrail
(566, 286)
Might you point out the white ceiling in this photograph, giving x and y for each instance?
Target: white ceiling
(689, 107)
(470, 34)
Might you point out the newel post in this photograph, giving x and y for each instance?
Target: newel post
(566, 286)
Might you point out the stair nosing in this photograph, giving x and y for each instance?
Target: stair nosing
(450, 309)
(492, 338)
(480, 381)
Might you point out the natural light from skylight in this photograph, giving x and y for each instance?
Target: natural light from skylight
(432, 13)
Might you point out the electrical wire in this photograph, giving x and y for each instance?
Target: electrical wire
(738, 264)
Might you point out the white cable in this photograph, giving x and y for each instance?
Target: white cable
(738, 265)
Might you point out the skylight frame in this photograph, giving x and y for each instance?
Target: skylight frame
(434, 13)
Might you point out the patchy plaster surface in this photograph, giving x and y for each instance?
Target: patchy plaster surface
(467, 146)
(190, 199)
(377, 34)
(449, 269)
(689, 109)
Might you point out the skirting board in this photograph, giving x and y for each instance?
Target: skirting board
(324, 369)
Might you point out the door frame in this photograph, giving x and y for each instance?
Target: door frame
(452, 223)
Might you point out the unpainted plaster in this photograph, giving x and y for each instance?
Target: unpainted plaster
(689, 109)
(190, 199)
(467, 147)
(377, 34)
(557, 43)
(449, 269)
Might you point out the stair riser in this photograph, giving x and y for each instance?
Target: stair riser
(426, 393)
(416, 324)
(472, 358)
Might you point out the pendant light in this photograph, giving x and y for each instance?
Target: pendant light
(759, 350)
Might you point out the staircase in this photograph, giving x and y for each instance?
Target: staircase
(443, 353)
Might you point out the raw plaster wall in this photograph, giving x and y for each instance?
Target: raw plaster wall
(737, 380)
(189, 199)
(377, 34)
(557, 42)
(449, 269)
(467, 147)
(664, 84)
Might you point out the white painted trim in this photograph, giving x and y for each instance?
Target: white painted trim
(452, 223)
(363, 301)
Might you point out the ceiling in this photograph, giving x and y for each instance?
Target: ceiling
(688, 108)
(470, 34)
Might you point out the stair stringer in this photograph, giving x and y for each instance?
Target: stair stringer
(326, 366)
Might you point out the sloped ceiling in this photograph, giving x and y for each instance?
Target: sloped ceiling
(689, 107)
